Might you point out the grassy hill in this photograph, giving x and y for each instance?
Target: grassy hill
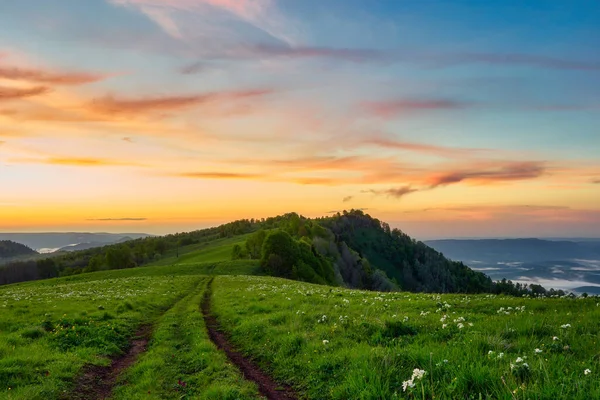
(325, 342)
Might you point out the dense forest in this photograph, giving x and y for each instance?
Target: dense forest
(10, 249)
(349, 249)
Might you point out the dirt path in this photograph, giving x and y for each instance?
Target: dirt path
(267, 386)
(97, 382)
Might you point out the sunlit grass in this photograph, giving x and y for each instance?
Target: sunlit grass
(333, 343)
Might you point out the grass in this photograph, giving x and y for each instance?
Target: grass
(50, 329)
(213, 251)
(332, 343)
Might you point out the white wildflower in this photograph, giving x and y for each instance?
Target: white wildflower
(418, 374)
(406, 384)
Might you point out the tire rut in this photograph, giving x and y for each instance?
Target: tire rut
(97, 382)
(267, 386)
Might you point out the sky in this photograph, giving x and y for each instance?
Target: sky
(445, 119)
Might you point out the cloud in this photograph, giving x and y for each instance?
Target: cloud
(424, 148)
(306, 52)
(397, 107)
(49, 77)
(178, 17)
(516, 59)
(218, 175)
(393, 192)
(73, 161)
(11, 93)
(193, 68)
(114, 105)
(595, 181)
(117, 219)
(507, 172)
(347, 199)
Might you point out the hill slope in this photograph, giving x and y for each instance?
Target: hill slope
(350, 249)
(10, 249)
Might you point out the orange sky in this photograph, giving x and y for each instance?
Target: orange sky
(149, 131)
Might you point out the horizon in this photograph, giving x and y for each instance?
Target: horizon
(449, 121)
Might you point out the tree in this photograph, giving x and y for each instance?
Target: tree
(119, 257)
(279, 253)
(237, 252)
(254, 244)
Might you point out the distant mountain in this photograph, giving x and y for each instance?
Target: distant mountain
(515, 250)
(56, 240)
(10, 249)
(91, 245)
(564, 264)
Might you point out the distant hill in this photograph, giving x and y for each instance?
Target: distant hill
(349, 249)
(10, 249)
(52, 241)
(91, 245)
(564, 264)
(516, 250)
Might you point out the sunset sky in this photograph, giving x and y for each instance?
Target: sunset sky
(443, 118)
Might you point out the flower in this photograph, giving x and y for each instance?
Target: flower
(418, 374)
(565, 326)
(537, 351)
(519, 359)
(554, 337)
(460, 325)
(587, 371)
(325, 341)
(407, 384)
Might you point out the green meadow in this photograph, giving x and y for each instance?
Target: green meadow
(334, 343)
(325, 342)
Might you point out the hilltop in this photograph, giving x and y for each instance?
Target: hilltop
(10, 249)
(349, 249)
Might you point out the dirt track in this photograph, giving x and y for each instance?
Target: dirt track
(267, 386)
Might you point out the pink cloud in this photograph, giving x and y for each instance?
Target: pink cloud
(394, 108)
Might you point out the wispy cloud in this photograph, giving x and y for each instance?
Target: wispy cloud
(347, 199)
(424, 147)
(12, 93)
(193, 68)
(520, 59)
(116, 105)
(505, 172)
(396, 193)
(49, 77)
(397, 107)
(595, 181)
(218, 175)
(73, 161)
(117, 219)
(173, 16)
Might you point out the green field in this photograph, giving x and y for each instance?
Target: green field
(334, 343)
(325, 342)
(213, 251)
